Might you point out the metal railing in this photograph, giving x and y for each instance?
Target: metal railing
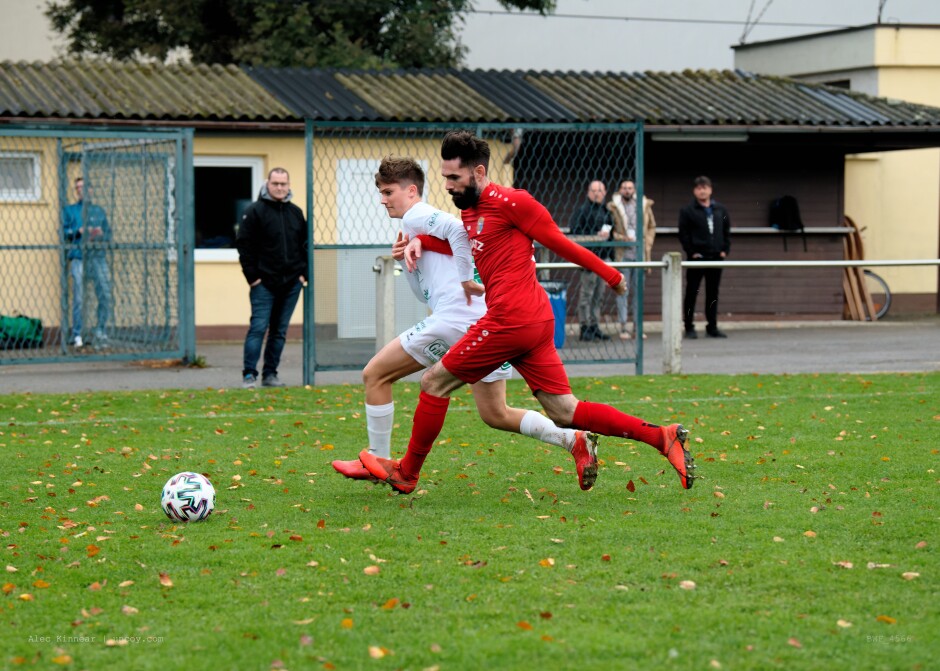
(671, 265)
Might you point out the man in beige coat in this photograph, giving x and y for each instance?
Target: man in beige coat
(623, 208)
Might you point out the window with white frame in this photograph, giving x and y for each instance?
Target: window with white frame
(224, 187)
(19, 176)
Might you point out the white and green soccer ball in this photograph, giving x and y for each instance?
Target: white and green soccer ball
(188, 497)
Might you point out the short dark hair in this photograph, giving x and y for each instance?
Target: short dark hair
(400, 170)
(274, 170)
(464, 145)
(702, 180)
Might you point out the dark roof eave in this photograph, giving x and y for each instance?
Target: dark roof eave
(717, 130)
(220, 125)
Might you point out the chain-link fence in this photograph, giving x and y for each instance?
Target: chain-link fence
(93, 263)
(555, 163)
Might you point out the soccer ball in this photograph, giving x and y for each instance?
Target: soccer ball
(188, 497)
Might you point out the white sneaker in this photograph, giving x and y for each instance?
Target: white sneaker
(76, 341)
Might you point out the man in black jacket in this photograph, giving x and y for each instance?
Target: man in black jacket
(705, 234)
(272, 248)
(592, 223)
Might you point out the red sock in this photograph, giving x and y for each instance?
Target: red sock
(428, 422)
(608, 421)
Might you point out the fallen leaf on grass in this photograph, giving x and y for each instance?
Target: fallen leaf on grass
(371, 570)
(910, 575)
(93, 550)
(886, 619)
(112, 643)
(843, 623)
(872, 565)
(631, 487)
(810, 534)
(687, 584)
(843, 564)
(165, 580)
(40, 584)
(794, 642)
(62, 660)
(524, 625)
(548, 562)
(377, 652)
(129, 610)
(126, 583)
(346, 623)
(303, 622)
(390, 604)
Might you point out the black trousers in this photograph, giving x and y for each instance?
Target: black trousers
(693, 279)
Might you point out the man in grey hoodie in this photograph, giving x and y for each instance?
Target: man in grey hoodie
(272, 246)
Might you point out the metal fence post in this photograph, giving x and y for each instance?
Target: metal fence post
(384, 300)
(672, 313)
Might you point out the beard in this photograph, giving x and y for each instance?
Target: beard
(469, 198)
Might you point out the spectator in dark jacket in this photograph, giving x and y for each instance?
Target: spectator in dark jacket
(592, 223)
(272, 247)
(705, 234)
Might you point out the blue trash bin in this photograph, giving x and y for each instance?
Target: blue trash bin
(558, 298)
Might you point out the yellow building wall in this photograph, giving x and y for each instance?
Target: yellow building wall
(896, 195)
(221, 290)
(221, 293)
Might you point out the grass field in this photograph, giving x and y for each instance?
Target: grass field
(810, 543)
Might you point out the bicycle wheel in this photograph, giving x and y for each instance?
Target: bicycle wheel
(880, 293)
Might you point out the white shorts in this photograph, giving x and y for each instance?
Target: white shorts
(427, 341)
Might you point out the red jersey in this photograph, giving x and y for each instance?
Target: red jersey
(501, 229)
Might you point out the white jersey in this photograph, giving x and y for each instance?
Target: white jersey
(437, 278)
(436, 281)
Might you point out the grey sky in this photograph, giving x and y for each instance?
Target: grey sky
(688, 33)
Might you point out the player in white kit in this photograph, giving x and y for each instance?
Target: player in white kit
(446, 283)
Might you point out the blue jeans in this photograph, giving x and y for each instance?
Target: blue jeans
(626, 303)
(97, 268)
(270, 313)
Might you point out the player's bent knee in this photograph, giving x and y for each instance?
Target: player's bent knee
(438, 381)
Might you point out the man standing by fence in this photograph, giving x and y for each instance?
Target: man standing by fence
(86, 230)
(705, 234)
(592, 223)
(272, 248)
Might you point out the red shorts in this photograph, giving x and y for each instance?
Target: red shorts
(529, 348)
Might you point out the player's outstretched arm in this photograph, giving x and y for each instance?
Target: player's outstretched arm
(549, 235)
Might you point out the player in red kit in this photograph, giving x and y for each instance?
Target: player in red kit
(518, 326)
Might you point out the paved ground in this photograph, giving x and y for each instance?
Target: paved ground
(752, 347)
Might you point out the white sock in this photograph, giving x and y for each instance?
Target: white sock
(379, 420)
(538, 426)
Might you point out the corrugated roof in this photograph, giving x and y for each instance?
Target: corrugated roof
(722, 98)
(658, 98)
(99, 89)
(317, 94)
(103, 90)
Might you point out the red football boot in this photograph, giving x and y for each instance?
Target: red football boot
(585, 458)
(674, 437)
(388, 471)
(354, 469)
